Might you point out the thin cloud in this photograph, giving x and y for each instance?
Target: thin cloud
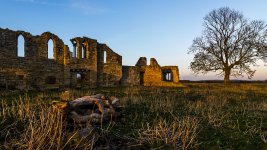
(81, 6)
(42, 2)
(28, 1)
(86, 8)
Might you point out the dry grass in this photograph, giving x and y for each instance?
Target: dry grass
(202, 116)
(35, 125)
(179, 134)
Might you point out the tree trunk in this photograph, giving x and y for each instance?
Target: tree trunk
(227, 73)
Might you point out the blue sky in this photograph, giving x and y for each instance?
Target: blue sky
(163, 29)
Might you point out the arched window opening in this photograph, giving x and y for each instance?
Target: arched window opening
(74, 49)
(72, 52)
(83, 51)
(105, 57)
(80, 77)
(21, 45)
(50, 49)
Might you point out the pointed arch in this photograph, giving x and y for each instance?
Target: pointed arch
(74, 50)
(105, 56)
(50, 49)
(21, 46)
(83, 51)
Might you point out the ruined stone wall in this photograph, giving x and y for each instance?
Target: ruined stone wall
(149, 75)
(154, 74)
(89, 65)
(83, 67)
(58, 47)
(141, 62)
(175, 72)
(28, 74)
(13, 72)
(35, 47)
(130, 76)
(8, 43)
(30, 71)
(109, 71)
(84, 62)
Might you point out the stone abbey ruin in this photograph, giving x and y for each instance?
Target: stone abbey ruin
(91, 64)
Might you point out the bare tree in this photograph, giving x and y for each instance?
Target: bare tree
(230, 44)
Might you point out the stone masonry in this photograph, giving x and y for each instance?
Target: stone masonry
(89, 65)
(150, 75)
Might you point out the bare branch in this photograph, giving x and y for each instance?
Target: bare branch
(229, 43)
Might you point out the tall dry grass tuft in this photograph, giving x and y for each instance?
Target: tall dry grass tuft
(32, 124)
(179, 134)
(44, 131)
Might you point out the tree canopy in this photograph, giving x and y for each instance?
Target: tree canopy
(230, 44)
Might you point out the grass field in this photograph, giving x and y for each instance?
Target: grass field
(198, 116)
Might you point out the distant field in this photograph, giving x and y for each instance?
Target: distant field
(198, 116)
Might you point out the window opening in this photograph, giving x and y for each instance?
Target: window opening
(50, 49)
(105, 57)
(21, 43)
